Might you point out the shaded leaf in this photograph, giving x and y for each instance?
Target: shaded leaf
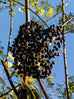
(2, 81)
(9, 88)
(4, 98)
(2, 48)
(1, 52)
(12, 74)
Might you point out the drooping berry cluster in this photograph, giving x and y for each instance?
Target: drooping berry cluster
(31, 51)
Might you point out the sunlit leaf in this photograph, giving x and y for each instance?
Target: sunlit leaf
(1, 71)
(46, 14)
(33, 86)
(32, 79)
(9, 65)
(20, 9)
(47, 19)
(36, 2)
(32, 3)
(42, 12)
(14, 13)
(38, 10)
(11, 57)
(50, 10)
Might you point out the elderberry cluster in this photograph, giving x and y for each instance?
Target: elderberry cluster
(31, 49)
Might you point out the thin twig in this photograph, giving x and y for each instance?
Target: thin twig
(53, 16)
(52, 94)
(68, 18)
(62, 50)
(32, 11)
(11, 20)
(52, 41)
(67, 22)
(8, 76)
(9, 91)
(67, 3)
(45, 93)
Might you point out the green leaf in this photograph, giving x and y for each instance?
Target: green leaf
(0, 1)
(33, 87)
(14, 4)
(0, 9)
(59, 8)
(50, 82)
(32, 79)
(6, 7)
(42, 2)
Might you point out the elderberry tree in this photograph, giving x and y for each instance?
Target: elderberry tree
(31, 49)
(32, 46)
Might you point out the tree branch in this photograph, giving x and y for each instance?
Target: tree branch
(64, 49)
(11, 20)
(45, 93)
(9, 91)
(33, 12)
(5, 63)
(40, 17)
(8, 76)
(67, 3)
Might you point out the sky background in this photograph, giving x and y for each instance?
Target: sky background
(19, 19)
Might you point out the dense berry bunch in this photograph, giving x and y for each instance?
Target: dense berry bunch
(31, 51)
